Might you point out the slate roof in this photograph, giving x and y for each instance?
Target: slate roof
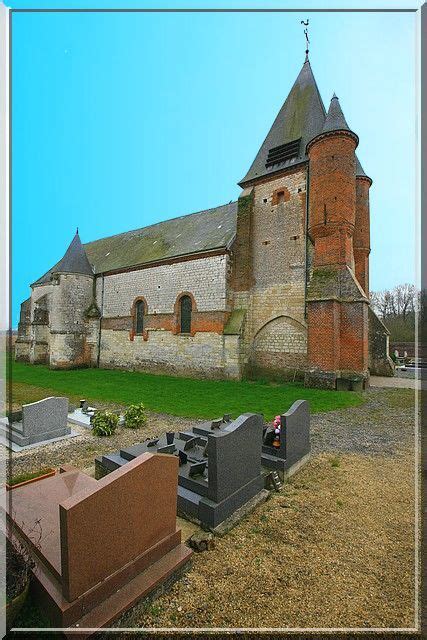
(194, 233)
(74, 261)
(335, 120)
(301, 116)
(359, 169)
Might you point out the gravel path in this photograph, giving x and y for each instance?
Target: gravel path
(333, 549)
(382, 425)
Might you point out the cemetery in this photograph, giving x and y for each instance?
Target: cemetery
(221, 462)
(279, 496)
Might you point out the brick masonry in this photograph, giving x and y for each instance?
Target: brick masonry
(361, 239)
(337, 307)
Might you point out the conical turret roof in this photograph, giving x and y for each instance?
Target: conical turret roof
(335, 120)
(359, 168)
(360, 173)
(300, 118)
(74, 260)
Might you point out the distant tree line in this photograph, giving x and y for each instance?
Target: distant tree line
(397, 308)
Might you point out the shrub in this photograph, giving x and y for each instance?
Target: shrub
(104, 423)
(135, 416)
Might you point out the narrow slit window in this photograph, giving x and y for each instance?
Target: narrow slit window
(139, 314)
(185, 314)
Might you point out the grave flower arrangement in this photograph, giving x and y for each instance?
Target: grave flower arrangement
(277, 428)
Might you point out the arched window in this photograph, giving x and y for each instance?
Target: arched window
(185, 308)
(139, 316)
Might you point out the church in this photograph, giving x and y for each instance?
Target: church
(274, 285)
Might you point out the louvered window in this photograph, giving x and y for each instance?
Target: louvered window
(185, 314)
(140, 312)
(284, 152)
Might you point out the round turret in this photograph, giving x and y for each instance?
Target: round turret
(333, 190)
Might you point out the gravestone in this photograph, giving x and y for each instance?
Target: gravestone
(219, 466)
(43, 420)
(104, 544)
(294, 447)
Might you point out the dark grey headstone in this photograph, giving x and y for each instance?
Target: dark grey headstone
(190, 443)
(183, 458)
(197, 469)
(169, 448)
(295, 427)
(234, 455)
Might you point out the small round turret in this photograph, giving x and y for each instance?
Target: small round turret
(361, 238)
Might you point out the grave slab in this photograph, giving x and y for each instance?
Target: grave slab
(82, 418)
(105, 543)
(220, 466)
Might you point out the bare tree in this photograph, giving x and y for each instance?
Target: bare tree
(398, 302)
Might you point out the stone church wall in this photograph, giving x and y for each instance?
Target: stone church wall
(206, 353)
(205, 278)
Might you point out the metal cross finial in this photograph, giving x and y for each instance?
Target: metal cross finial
(306, 36)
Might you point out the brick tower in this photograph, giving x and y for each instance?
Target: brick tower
(337, 304)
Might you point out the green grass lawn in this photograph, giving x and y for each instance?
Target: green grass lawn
(177, 396)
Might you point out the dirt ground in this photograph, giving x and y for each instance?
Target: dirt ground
(334, 548)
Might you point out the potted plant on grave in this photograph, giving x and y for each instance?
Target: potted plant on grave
(135, 416)
(19, 565)
(104, 423)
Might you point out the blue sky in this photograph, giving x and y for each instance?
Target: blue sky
(125, 119)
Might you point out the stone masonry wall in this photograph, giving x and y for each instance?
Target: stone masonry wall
(205, 278)
(70, 299)
(206, 355)
(275, 304)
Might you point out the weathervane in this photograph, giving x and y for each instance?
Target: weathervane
(306, 36)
